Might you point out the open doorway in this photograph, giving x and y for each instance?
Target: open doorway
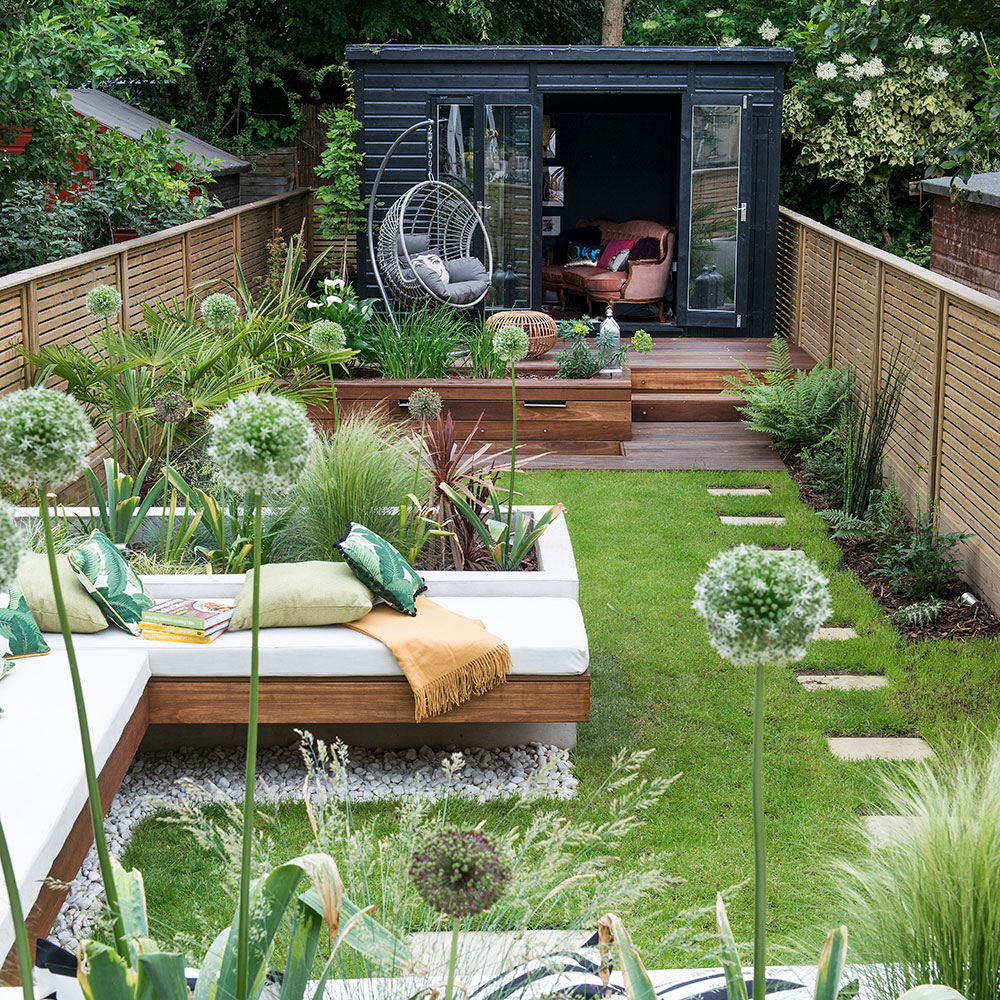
(610, 198)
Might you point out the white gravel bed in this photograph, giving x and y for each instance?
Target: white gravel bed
(154, 781)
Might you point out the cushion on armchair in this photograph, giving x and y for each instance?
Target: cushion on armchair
(646, 248)
(586, 235)
(612, 250)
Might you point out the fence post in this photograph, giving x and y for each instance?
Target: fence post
(310, 226)
(123, 288)
(236, 240)
(937, 413)
(186, 258)
(877, 332)
(800, 279)
(833, 303)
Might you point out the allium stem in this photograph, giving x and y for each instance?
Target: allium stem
(420, 455)
(513, 462)
(93, 789)
(243, 921)
(759, 846)
(333, 391)
(17, 916)
(452, 960)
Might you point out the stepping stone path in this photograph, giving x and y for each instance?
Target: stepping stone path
(764, 519)
(884, 831)
(836, 632)
(879, 747)
(842, 682)
(739, 491)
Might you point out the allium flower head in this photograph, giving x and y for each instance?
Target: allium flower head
(103, 301)
(327, 336)
(459, 872)
(826, 71)
(44, 438)
(424, 404)
(761, 606)
(260, 442)
(11, 545)
(170, 408)
(642, 342)
(510, 344)
(220, 311)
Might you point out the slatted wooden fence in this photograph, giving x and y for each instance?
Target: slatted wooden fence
(46, 305)
(842, 298)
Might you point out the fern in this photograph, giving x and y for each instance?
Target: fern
(798, 409)
(919, 614)
(883, 521)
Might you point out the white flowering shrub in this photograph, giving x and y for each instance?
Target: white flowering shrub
(260, 442)
(44, 438)
(877, 94)
(760, 605)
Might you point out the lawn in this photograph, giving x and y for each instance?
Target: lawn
(641, 540)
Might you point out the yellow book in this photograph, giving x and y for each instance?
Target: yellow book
(159, 636)
(172, 629)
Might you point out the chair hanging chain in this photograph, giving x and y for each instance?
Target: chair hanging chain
(430, 152)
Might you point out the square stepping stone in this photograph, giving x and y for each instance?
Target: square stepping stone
(783, 548)
(884, 831)
(842, 682)
(836, 632)
(739, 491)
(762, 519)
(879, 747)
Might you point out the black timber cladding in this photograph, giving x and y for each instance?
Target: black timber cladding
(396, 85)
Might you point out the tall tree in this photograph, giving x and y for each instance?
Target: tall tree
(613, 22)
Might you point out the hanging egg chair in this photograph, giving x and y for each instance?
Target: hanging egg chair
(428, 242)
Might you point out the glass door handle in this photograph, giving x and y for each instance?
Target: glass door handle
(742, 209)
(483, 209)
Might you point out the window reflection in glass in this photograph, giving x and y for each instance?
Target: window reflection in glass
(715, 169)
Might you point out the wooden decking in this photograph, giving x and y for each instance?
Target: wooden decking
(683, 415)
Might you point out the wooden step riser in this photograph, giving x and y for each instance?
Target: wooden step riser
(679, 380)
(684, 410)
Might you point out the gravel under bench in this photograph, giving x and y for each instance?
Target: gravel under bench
(153, 780)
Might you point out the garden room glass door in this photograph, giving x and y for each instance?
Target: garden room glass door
(484, 148)
(718, 211)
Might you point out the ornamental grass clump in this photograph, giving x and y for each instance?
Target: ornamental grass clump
(259, 443)
(761, 606)
(45, 440)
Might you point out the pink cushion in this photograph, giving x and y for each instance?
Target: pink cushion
(611, 249)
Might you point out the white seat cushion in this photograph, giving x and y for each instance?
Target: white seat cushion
(545, 635)
(43, 787)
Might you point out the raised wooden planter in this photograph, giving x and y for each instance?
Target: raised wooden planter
(556, 412)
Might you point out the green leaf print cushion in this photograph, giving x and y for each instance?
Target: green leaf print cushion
(19, 633)
(110, 581)
(381, 568)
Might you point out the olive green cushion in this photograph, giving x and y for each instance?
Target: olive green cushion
(19, 635)
(380, 567)
(110, 581)
(306, 593)
(36, 585)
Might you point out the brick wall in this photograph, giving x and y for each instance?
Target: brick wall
(965, 244)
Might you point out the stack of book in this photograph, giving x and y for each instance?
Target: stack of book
(183, 619)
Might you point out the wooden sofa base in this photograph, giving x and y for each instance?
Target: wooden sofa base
(372, 700)
(207, 700)
(66, 866)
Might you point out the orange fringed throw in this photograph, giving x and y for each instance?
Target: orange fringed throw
(447, 658)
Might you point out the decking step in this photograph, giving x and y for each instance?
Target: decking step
(684, 406)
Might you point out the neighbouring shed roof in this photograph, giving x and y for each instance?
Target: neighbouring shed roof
(982, 188)
(132, 122)
(571, 53)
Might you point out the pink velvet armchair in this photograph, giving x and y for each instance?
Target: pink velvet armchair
(643, 281)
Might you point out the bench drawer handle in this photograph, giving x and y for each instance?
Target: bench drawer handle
(553, 405)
